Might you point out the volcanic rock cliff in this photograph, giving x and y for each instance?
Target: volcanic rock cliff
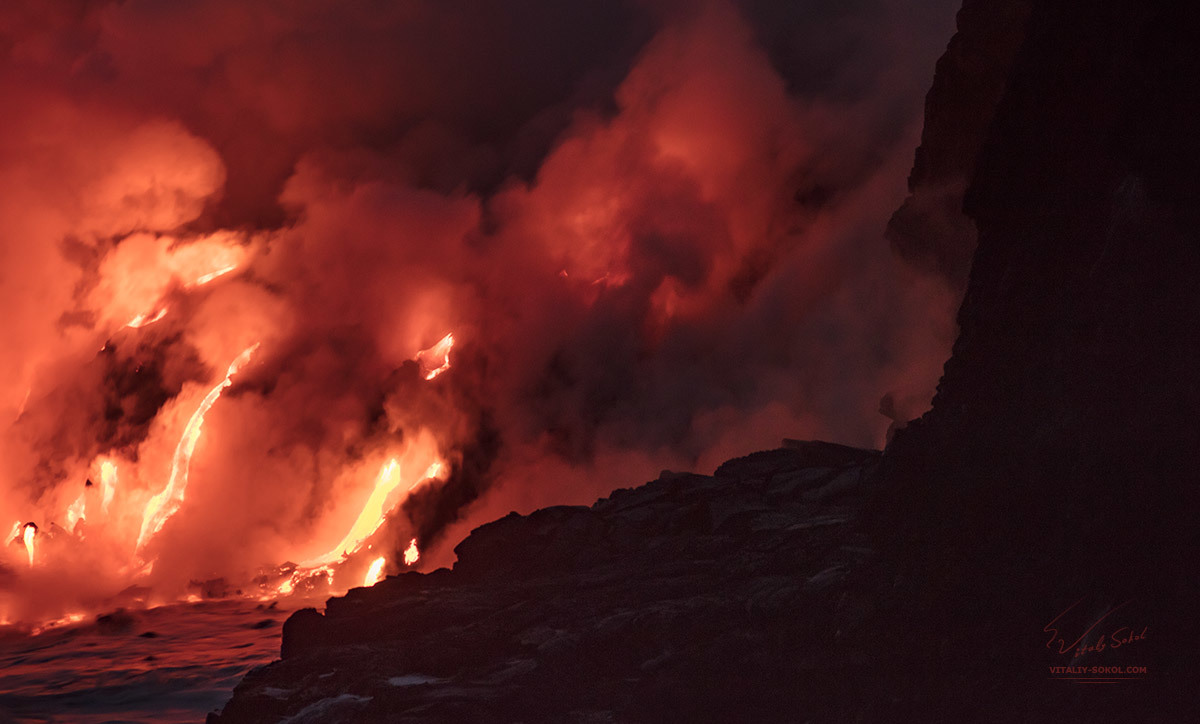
(1051, 487)
(1056, 467)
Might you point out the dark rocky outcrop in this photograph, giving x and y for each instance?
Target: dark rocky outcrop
(744, 596)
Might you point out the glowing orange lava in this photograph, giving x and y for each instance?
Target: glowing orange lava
(436, 360)
(375, 572)
(412, 554)
(164, 505)
(30, 535)
(205, 279)
(142, 320)
(368, 520)
(108, 484)
(67, 620)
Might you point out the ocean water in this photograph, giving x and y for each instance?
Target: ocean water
(168, 664)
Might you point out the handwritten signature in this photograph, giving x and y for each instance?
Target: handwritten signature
(1115, 639)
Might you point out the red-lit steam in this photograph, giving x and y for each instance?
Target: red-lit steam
(654, 230)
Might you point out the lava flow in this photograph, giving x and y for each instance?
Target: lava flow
(375, 572)
(478, 287)
(29, 539)
(436, 360)
(164, 505)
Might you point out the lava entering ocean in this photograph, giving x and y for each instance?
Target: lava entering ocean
(295, 298)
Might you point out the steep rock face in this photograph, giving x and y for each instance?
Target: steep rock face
(744, 596)
(930, 229)
(1057, 462)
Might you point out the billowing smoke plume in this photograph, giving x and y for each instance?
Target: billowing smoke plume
(653, 229)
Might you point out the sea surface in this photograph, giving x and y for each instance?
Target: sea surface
(174, 663)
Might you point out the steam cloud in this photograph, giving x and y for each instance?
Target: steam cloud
(654, 228)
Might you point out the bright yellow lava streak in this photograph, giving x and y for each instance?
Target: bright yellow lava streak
(142, 320)
(164, 505)
(368, 520)
(108, 483)
(375, 572)
(30, 534)
(213, 275)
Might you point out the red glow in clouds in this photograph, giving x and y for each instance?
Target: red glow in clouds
(463, 263)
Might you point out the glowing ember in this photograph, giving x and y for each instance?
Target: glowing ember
(436, 360)
(368, 520)
(30, 535)
(412, 554)
(162, 506)
(142, 320)
(375, 572)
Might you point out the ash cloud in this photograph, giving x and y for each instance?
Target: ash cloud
(654, 227)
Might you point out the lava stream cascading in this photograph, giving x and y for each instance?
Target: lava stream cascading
(162, 506)
(30, 535)
(206, 278)
(108, 484)
(368, 521)
(142, 320)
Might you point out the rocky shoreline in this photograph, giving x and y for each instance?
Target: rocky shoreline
(740, 595)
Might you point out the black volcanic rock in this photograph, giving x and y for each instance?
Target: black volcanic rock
(694, 598)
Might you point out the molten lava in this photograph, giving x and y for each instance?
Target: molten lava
(206, 278)
(436, 360)
(164, 505)
(412, 554)
(108, 484)
(368, 520)
(29, 538)
(143, 320)
(375, 572)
